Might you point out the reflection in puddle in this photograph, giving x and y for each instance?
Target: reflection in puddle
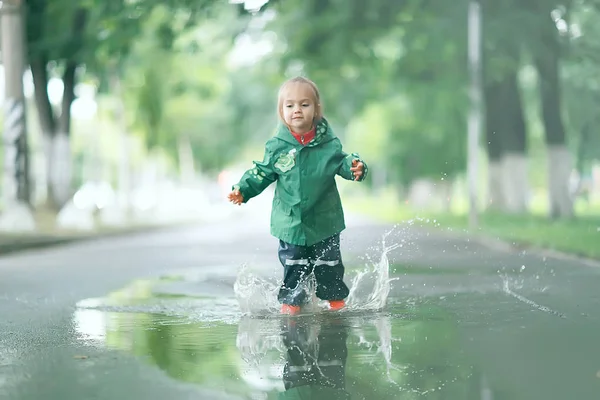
(315, 362)
(404, 353)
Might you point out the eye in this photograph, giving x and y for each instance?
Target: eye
(288, 106)
(305, 105)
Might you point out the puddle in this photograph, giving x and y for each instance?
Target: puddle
(221, 330)
(403, 353)
(224, 333)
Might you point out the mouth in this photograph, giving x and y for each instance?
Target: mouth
(297, 118)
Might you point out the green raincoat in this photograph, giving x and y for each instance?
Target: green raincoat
(306, 206)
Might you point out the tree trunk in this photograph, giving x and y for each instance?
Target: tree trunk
(560, 164)
(583, 146)
(505, 123)
(507, 145)
(45, 117)
(60, 148)
(514, 157)
(56, 129)
(494, 148)
(186, 160)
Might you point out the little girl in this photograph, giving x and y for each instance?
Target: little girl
(304, 158)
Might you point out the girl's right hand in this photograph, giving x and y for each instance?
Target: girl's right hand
(236, 197)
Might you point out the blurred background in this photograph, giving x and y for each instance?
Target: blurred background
(137, 112)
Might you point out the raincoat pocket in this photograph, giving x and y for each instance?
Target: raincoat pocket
(282, 217)
(281, 208)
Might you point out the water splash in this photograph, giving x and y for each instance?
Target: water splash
(369, 287)
(254, 293)
(507, 289)
(379, 274)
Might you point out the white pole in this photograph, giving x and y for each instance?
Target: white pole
(475, 112)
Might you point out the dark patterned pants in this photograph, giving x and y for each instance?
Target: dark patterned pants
(324, 259)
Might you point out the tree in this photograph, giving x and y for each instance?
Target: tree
(581, 86)
(211, 110)
(69, 39)
(65, 48)
(547, 55)
(505, 128)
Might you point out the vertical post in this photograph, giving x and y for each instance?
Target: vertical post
(124, 185)
(475, 112)
(15, 185)
(15, 144)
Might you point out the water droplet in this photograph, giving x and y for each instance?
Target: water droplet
(522, 268)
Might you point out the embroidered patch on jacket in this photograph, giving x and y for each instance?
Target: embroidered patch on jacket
(319, 133)
(285, 162)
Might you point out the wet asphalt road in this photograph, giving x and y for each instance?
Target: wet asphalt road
(526, 326)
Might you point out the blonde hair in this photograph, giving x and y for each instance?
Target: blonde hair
(314, 89)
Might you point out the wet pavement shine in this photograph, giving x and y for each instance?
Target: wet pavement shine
(172, 315)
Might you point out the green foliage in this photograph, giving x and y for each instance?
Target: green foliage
(393, 74)
(189, 91)
(415, 143)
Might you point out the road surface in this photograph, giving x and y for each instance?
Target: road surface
(154, 316)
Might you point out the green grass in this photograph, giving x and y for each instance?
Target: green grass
(580, 236)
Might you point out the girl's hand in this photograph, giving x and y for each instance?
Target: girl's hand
(236, 197)
(357, 169)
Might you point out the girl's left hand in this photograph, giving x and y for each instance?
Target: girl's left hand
(357, 169)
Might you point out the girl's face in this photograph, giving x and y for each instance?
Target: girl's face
(299, 108)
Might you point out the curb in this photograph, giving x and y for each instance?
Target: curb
(25, 242)
(498, 244)
(505, 245)
(31, 243)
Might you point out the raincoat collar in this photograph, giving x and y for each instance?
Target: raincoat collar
(323, 133)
